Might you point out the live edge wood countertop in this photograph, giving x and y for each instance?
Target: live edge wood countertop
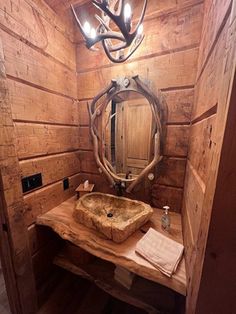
(60, 219)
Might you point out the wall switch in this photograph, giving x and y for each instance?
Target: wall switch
(31, 182)
(66, 184)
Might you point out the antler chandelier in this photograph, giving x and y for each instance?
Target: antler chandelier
(119, 44)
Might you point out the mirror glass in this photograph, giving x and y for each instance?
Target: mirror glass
(128, 134)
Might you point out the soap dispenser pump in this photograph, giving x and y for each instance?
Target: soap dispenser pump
(165, 219)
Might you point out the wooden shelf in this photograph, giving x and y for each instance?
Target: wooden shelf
(60, 219)
(144, 294)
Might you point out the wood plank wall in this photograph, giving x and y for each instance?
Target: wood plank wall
(40, 62)
(216, 53)
(15, 253)
(168, 57)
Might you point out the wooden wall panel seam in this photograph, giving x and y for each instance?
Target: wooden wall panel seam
(141, 58)
(211, 111)
(56, 124)
(42, 88)
(169, 89)
(205, 116)
(47, 155)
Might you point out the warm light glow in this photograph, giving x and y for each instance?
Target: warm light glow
(87, 28)
(140, 29)
(93, 33)
(127, 12)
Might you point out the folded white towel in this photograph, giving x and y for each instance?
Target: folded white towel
(162, 252)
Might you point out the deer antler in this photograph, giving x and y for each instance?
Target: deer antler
(105, 34)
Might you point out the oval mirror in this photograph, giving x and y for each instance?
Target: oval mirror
(131, 120)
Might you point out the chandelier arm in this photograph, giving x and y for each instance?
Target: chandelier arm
(111, 58)
(141, 17)
(115, 18)
(108, 35)
(121, 7)
(103, 23)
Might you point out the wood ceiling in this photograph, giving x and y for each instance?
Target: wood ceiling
(60, 6)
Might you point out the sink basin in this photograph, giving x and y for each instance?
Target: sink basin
(115, 217)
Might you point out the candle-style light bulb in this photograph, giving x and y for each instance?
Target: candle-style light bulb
(140, 29)
(87, 28)
(127, 16)
(127, 12)
(93, 33)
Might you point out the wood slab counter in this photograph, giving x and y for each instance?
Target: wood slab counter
(60, 219)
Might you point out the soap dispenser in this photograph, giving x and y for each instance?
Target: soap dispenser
(165, 219)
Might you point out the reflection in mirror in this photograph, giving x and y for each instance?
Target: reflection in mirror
(128, 127)
(128, 134)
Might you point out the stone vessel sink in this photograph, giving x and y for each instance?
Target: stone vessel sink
(115, 217)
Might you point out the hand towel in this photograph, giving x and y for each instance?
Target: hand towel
(162, 252)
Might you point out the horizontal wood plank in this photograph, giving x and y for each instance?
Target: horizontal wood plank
(169, 71)
(176, 143)
(31, 104)
(85, 138)
(165, 195)
(25, 22)
(179, 104)
(53, 168)
(38, 140)
(88, 163)
(24, 63)
(61, 23)
(42, 200)
(171, 171)
(165, 34)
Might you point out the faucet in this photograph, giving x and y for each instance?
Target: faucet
(128, 174)
(120, 187)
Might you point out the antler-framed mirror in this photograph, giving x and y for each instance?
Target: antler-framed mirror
(128, 127)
